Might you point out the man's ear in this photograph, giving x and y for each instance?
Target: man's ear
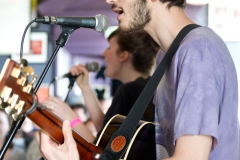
(123, 56)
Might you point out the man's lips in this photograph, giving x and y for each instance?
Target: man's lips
(117, 10)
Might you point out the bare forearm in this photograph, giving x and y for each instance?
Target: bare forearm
(183, 158)
(93, 107)
(84, 132)
(192, 147)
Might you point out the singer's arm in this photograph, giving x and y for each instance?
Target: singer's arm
(90, 99)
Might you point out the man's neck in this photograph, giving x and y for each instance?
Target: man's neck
(166, 24)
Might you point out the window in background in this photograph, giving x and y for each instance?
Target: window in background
(224, 19)
(15, 16)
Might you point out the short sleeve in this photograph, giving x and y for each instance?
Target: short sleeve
(197, 100)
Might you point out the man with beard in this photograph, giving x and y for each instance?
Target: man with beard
(197, 100)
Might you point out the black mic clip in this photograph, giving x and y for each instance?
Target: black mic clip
(64, 36)
(71, 82)
(72, 78)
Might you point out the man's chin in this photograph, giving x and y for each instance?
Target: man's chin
(125, 30)
(128, 28)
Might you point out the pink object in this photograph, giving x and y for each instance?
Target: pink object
(75, 121)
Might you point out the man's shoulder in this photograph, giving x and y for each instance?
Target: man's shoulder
(199, 36)
(202, 43)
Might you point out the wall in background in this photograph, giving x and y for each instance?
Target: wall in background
(38, 67)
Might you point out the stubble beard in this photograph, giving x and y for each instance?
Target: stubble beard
(140, 17)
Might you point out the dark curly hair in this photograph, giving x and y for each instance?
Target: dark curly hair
(142, 47)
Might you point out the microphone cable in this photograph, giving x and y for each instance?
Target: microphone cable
(23, 37)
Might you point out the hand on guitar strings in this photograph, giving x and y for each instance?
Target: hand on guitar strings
(50, 150)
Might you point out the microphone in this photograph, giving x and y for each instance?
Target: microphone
(91, 67)
(99, 23)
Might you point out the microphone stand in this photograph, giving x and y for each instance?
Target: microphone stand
(70, 86)
(60, 42)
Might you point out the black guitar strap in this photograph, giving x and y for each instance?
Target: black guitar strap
(120, 139)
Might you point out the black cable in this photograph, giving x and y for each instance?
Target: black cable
(23, 37)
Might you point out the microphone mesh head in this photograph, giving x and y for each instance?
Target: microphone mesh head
(92, 67)
(101, 23)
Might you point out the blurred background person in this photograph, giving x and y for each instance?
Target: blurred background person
(13, 152)
(33, 152)
(82, 113)
(24, 135)
(22, 139)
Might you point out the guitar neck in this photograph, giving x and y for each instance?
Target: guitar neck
(52, 125)
(16, 87)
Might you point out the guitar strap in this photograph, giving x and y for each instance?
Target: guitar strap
(121, 139)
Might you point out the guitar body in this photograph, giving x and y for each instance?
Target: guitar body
(142, 145)
(18, 101)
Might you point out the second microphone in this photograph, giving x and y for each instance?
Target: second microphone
(91, 67)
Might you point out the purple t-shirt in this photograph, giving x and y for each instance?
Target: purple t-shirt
(199, 95)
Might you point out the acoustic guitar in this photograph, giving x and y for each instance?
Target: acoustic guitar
(17, 99)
